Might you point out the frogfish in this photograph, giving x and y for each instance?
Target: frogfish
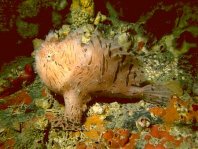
(101, 67)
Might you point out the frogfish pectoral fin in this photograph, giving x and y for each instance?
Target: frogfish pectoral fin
(73, 107)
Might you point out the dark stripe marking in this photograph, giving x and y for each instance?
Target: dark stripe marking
(116, 73)
(129, 71)
(99, 41)
(92, 43)
(63, 53)
(50, 82)
(123, 58)
(62, 73)
(55, 75)
(103, 64)
(109, 50)
(54, 80)
(90, 61)
(135, 75)
(107, 65)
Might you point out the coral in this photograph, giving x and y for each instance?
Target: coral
(129, 116)
(93, 128)
(99, 18)
(163, 67)
(86, 6)
(132, 140)
(44, 103)
(9, 143)
(163, 136)
(124, 40)
(61, 139)
(82, 145)
(64, 31)
(177, 111)
(79, 18)
(20, 97)
(29, 139)
(41, 123)
(88, 30)
(15, 76)
(93, 121)
(117, 138)
(143, 122)
(97, 109)
(82, 12)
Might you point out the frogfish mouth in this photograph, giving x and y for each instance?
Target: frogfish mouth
(99, 67)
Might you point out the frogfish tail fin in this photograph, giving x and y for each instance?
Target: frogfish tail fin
(157, 94)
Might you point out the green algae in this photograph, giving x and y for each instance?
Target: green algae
(112, 12)
(56, 19)
(27, 30)
(29, 8)
(60, 5)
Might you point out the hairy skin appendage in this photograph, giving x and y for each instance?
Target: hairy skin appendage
(100, 67)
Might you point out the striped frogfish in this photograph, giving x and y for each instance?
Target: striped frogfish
(101, 67)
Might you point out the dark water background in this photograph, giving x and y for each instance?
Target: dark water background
(13, 45)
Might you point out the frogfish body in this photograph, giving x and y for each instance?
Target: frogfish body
(100, 67)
